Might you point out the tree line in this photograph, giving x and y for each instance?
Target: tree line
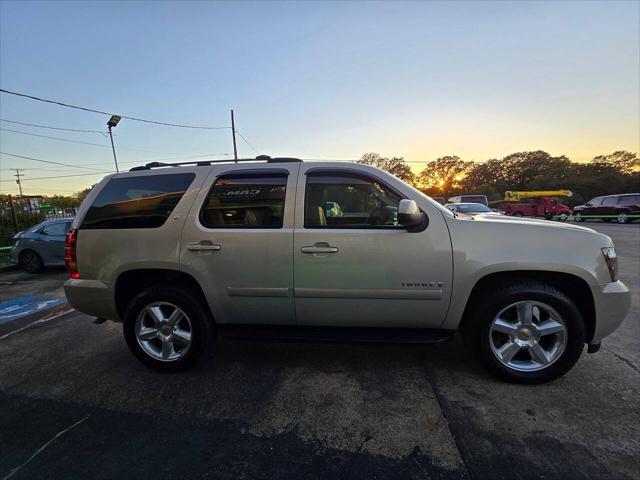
(449, 175)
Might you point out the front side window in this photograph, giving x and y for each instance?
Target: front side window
(137, 202)
(596, 202)
(609, 201)
(245, 201)
(349, 201)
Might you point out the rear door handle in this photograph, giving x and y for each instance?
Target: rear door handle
(202, 246)
(321, 247)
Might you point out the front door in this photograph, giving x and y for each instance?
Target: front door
(238, 239)
(355, 266)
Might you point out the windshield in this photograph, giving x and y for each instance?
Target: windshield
(472, 208)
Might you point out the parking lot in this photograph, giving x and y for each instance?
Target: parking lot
(76, 404)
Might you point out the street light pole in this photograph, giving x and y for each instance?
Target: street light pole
(113, 121)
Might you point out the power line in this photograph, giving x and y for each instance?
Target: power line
(56, 176)
(86, 109)
(247, 142)
(76, 141)
(141, 160)
(53, 163)
(52, 128)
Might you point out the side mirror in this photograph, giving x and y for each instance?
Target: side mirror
(411, 217)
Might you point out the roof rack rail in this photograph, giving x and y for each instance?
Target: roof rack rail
(206, 163)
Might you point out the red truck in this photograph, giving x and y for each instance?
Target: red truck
(539, 204)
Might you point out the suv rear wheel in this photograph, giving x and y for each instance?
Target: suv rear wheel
(167, 328)
(528, 332)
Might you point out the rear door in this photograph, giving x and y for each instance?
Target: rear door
(51, 242)
(238, 242)
(609, 205)
(354, 265)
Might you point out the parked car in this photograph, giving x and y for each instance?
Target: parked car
(470, 199)
(246, 249)
(471, 209)
(622, 208)
(41, 246)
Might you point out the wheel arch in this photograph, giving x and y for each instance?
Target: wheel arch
(576, 288)
(131, 282)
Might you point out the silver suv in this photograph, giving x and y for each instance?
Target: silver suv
(278, 248)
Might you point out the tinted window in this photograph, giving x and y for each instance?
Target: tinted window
(55, 229)
(137, 202)
(474, 198)
(245, 201)
(346, 201)
(610, 201)
(629, 200)
(595, 202)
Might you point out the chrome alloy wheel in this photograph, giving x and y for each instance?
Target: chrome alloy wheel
(528, 336)
(163, 331)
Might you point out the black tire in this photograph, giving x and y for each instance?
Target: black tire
(622, 217)
(31, 262)
(198, 315)
(476, 329)
(577, 217)
(518, 214)
(548, 215)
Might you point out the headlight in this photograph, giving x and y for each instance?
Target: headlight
(611, 259)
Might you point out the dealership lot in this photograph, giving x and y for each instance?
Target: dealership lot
(277, 410)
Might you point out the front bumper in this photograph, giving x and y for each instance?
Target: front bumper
(91, 297)
(612, 302)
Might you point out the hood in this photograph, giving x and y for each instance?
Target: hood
(529, 221)
(18, 235)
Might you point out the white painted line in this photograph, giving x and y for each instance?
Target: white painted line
(16, 469)
(42, 320)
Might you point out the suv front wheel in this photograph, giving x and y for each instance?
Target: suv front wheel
(528, 332)
(167, 328)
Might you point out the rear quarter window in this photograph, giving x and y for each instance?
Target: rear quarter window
(629, 200)
(137, 202)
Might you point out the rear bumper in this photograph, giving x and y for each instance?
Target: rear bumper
(612, 302)
(91, 297)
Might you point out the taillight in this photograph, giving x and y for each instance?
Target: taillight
(70, 261)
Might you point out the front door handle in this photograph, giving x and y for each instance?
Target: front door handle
(202, 246)
(320, 247)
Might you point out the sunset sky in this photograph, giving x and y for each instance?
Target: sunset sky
(316, 80)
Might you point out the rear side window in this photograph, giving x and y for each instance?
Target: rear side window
(59, 228)
(137, 202)
(629, 200)
(245, 201)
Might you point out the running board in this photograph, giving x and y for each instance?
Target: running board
(294, 333)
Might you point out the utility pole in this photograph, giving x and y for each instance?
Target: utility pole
(18, 175)
(233, 131)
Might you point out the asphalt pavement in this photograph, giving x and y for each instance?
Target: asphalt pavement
(76, 404)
